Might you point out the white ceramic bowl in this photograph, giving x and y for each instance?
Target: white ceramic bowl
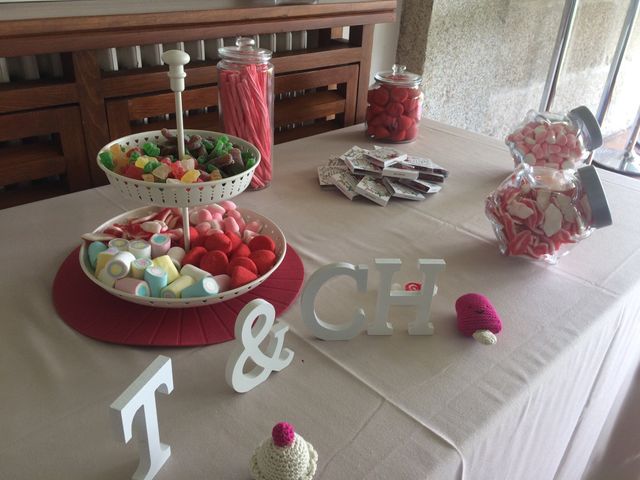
(179, 195)
(269, 228)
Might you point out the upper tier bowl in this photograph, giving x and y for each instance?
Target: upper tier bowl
(174, 194)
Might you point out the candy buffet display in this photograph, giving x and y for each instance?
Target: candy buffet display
(245, 86)
(382, 173)
(201, 252)
(554, 140)
(394, 106)
(285, 455)
(539, 212)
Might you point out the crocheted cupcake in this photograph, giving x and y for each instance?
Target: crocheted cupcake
(284, 456)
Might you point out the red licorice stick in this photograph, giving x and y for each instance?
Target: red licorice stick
(245, 112)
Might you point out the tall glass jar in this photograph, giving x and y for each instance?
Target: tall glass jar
(245, 93)
(394, 106)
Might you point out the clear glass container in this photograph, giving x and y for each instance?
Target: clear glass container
(394, 106)
(245, 100)
(553, 140)
(540, 212)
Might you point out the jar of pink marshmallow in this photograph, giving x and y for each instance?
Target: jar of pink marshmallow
(560, 141)
(541, 212)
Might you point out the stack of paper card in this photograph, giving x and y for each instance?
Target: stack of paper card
(382, 173)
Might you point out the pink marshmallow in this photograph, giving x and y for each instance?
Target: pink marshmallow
(215, 208)
(228, 205)
(203, 227)
(229, 224)
(204, 215)
(234, 214)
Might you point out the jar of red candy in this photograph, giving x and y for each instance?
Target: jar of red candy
(245, 94)
(555, 140)
(394, 106)
(539, 212)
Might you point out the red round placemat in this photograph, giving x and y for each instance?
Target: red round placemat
(87, 308)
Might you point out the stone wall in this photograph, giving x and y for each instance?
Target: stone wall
(484, 62)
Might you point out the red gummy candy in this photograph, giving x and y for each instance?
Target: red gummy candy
(377, 120)
(245, 262)
(411, 104)
(194, 238)
(262, 242)
(411, 133)
(194, 256)
(380, 96)
(177, 170)
(243, 250)
(218, 241)
(399, 94)
(398, 136)
(395, 109)
(375, 109)
(264, 260)
(404, 122)
(133, 172)
(236, 241)
(381, 132)
(215, 262)
(241, 276)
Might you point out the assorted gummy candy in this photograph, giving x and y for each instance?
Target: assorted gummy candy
(206, 159)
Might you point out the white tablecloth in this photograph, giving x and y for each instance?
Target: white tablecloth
(548, 401)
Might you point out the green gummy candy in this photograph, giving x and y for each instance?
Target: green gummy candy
(134, 156)
(107, 160)
(211, 167)
(202, 159)
(150, 167)
(207, 145)
(150, 149)
(250, 162)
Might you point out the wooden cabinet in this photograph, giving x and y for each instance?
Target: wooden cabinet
(320, 85)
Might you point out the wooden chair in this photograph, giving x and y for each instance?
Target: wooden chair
(42, 154)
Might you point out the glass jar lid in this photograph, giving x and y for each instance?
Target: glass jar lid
(245, 51)
(584, 119)
(592, 186)
(398, 76)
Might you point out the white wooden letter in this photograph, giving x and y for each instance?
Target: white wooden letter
(247, 346)
(135, 409)
(420, 299)
(320, 328)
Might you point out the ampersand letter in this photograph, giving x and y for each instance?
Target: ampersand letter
(248, 340)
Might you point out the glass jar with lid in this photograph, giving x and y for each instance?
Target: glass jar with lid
(555, 140)
(394, 106)
(245, 100)
(541, 212)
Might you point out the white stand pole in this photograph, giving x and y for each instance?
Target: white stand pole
(177, 59)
